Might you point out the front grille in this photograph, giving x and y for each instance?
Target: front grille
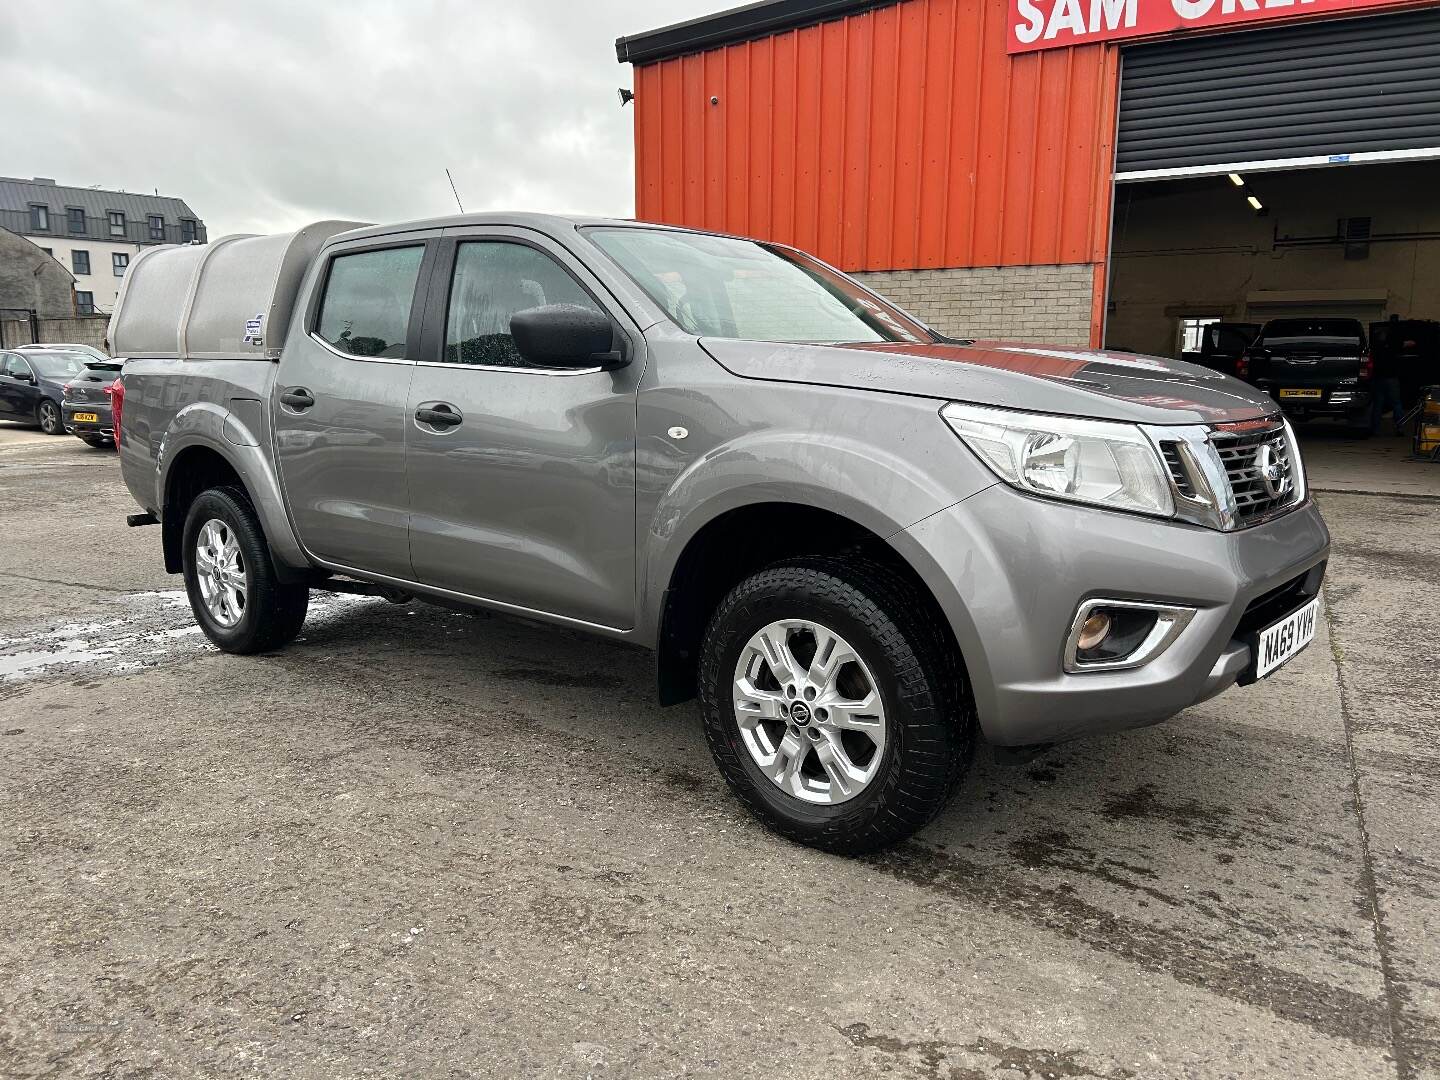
(1258, 468)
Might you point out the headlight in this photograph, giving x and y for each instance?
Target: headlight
(1087, 461)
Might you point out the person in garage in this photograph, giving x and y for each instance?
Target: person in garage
(1385, 389)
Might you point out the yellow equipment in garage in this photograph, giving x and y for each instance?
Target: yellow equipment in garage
(1427, 424)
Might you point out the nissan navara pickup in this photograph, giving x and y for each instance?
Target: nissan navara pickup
(863, 545)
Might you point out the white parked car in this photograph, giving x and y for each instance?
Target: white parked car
(89, 350)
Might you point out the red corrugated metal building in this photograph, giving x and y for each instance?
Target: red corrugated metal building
(965, 151)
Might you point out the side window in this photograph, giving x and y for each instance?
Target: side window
(493, 280)
(366, 307)
(15, 366)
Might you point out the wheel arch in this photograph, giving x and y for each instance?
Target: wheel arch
(738, 541)
(206, 447)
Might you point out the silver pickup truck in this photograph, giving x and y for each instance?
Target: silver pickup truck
(863, 545)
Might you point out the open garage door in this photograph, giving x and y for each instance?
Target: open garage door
(1334, 92)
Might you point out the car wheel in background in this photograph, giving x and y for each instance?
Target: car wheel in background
(834, 703)
(47, 415)
(230, 579)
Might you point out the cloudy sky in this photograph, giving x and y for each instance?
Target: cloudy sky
(266, 114)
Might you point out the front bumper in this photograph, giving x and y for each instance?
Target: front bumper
(1010, 572)
(103, 427)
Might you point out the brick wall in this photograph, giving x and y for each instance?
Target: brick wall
(1045, 304)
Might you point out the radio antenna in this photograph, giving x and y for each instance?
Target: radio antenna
(453, 191)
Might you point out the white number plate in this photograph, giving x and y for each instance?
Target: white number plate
(1280, 642)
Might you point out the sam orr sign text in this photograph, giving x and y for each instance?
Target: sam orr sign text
(1050, 24)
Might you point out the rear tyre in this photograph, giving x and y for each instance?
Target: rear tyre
(835, 705)
(230, 577)
(47, 415)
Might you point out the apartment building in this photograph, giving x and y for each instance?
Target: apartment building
(93, 232)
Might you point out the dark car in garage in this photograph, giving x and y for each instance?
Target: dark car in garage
(87, 402)
(1224, 345)
(32, 386)
(1316, 368)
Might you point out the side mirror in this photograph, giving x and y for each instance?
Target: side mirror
(565, 336)
(24, 376)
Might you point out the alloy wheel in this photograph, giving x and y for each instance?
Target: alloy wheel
(220, 572)
(809, 711)
(49, 418)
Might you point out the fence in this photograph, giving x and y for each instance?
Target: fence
(25, 328)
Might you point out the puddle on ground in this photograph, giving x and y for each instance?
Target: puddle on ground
(145, 629)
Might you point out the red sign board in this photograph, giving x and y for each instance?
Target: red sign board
(1053, 24)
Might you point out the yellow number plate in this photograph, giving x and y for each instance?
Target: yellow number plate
(86, 418)
(1302, 393)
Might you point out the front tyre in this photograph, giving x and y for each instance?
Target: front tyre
(835, 706)
(230, 578)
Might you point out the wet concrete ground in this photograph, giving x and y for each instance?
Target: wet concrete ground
(424, 844)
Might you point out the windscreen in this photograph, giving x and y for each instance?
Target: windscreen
(56, 365)
(1299, 331)
(721, 286)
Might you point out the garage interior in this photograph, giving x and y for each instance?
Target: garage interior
(1358, 241)
(1277, 173)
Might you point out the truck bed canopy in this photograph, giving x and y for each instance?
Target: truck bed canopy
(230, 299)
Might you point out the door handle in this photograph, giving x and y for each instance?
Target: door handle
(297, 397)
(439, 414)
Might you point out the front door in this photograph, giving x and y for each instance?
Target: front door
(19, 396)
(525, 495)
(340, 396)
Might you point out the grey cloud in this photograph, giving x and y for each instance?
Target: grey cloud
(265, 114)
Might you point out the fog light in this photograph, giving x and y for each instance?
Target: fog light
(1109, 635)
(1093, 631)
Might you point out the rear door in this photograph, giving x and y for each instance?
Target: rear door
(527, 498)
(340, 396)
(7, 387)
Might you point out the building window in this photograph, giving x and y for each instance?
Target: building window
(75, 219)
(187, 231)
(39, 218)
(157, 227)
(85, 302)
(119, 261)
(1192, 333)
(49, 251)
(117, 223)
(80, 262)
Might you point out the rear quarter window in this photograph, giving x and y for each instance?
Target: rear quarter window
(368, 297)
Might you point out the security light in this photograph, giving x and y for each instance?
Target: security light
(626, 96)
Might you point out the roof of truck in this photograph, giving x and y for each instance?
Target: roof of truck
(546, 223)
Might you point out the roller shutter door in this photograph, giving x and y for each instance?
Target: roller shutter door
(1334, 91)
